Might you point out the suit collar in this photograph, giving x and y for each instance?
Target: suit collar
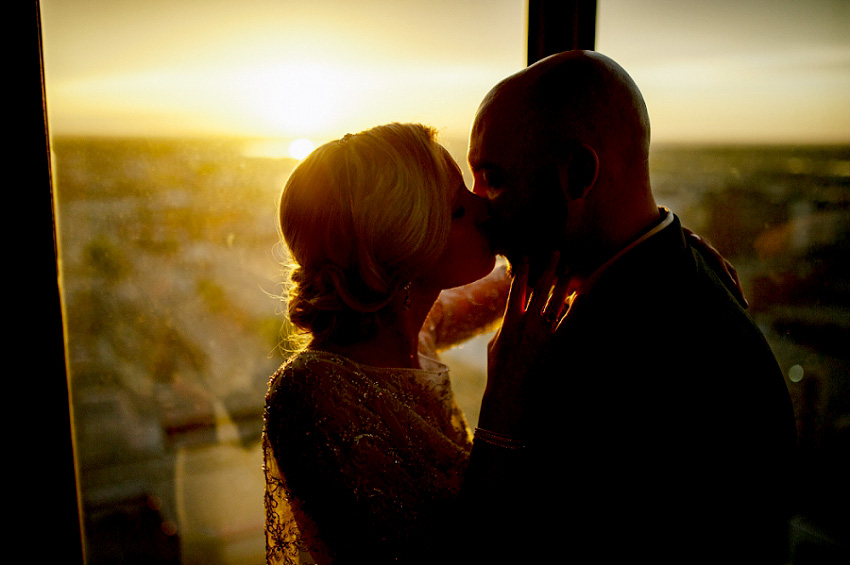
(627, 253)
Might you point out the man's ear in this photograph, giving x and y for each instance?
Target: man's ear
(578, 173)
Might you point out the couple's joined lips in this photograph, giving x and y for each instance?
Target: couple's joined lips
(494, 231)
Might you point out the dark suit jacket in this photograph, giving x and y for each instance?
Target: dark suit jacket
(659, 427)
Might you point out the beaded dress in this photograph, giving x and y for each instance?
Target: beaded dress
(363, 464)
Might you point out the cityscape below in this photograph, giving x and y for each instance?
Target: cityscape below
(171, 273)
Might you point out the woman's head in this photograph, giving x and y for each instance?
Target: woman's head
(363, 216)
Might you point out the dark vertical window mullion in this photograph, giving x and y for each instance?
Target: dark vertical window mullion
(560, 25)
(47, 458)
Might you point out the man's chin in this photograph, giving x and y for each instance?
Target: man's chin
(502, 250)
(537, 263)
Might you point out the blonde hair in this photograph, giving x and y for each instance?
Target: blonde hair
(361, 217)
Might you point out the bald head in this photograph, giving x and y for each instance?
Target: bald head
(578, 119)
(576, 96)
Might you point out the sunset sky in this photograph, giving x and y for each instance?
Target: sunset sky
(720, 71)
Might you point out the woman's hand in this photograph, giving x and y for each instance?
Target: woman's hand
(720, 263)
(527, 328)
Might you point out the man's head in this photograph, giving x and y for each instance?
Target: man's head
(561, 150)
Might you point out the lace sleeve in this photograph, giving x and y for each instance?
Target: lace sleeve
(285, 544)
(356, 469)
(464, 312)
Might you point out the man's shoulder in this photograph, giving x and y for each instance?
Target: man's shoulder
(667, 268)
(665, 295)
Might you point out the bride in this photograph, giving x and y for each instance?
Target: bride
(364, 444)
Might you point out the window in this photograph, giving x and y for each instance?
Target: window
(751, 148)
(173, 128)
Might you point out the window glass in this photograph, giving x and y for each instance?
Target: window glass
(173, 127)
(751, 148)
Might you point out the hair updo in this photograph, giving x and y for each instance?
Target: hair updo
(362, 216)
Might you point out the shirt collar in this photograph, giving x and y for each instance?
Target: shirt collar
(666, 220)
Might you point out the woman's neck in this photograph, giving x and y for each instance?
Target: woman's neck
(395, 342)
(376, 351)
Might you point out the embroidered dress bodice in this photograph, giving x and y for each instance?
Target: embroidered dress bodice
(363, 463)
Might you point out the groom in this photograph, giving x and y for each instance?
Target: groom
(658, 424)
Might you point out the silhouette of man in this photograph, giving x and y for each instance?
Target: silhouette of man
(657, 424)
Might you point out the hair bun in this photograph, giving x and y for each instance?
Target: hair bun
(361, 217)
(323, 301)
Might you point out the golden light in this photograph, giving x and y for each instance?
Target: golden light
(300, 148)
(268, 149)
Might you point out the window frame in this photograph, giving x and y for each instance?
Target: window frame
(46, 457)
(553, 26)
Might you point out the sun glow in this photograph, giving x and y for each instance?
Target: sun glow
(287, 70)
(300, 148)
(279, 148)
(313, 99)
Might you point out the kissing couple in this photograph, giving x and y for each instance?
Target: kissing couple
(632, 407)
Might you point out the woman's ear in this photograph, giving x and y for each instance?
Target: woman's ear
(578, 173)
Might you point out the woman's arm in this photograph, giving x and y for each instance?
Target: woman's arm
(464, 312)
